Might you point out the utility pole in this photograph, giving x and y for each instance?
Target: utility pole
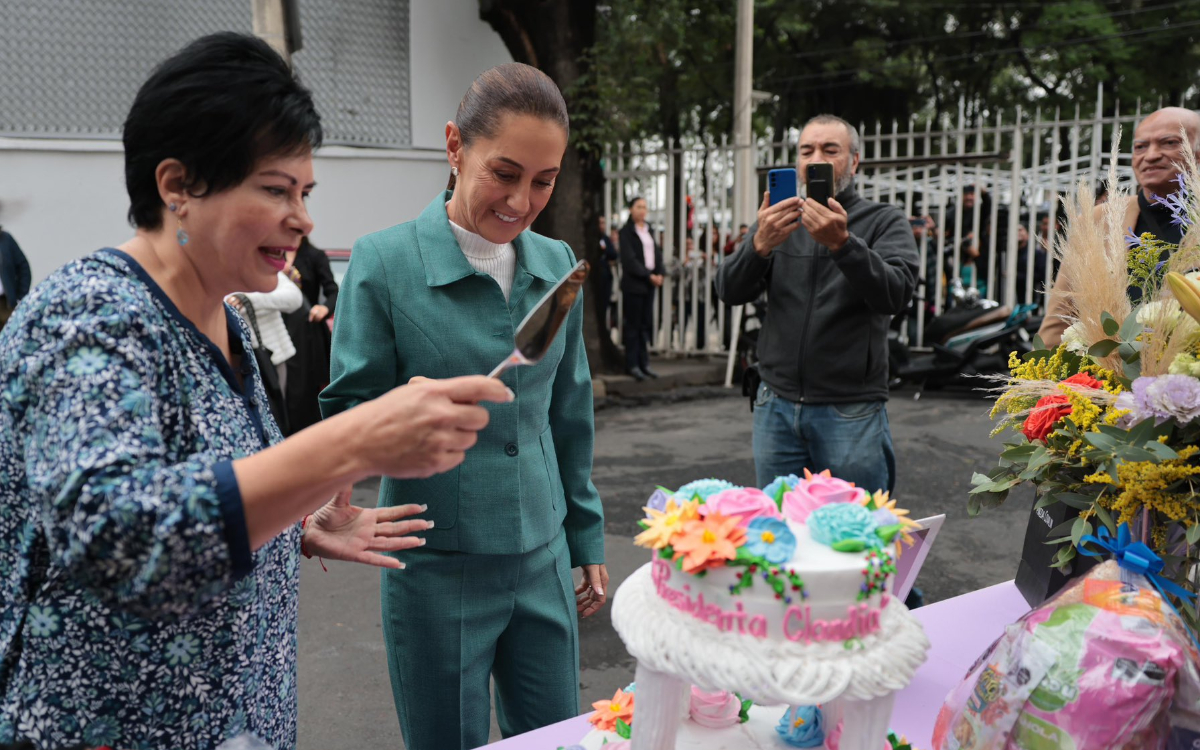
(271, 25)
(745, 183)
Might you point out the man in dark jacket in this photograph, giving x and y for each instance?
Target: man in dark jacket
(14, 276)
(835, 275)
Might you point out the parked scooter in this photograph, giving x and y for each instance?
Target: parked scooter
(973, 337)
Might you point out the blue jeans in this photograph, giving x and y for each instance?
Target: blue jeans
(852, 440)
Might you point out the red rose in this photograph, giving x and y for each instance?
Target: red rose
(1042, 419)
(1085, 380)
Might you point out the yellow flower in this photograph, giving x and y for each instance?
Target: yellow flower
(663, 525)
(882, 501)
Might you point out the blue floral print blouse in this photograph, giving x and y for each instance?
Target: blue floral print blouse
(132, 611)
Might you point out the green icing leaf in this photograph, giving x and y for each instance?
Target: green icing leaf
(779, 493)
(849, 545)
(624, 731)
(744, 714)
(888, 533)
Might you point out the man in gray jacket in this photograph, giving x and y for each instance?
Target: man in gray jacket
(835, 275)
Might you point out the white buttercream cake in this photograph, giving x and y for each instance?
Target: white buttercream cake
(778, 595)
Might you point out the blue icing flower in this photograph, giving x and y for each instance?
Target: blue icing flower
(631, 688)
(843, 522)
(658, 501)
(885, 517)
(800, 726)
(788, 484)
(704, 488)
(771, 539)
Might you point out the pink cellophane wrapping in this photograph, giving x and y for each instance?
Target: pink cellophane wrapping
(1106, 664)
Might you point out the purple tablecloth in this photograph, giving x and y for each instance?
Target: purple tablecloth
(959, 630)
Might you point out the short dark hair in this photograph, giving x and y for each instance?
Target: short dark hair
(633, 200)
(511, 88)
(220, 106)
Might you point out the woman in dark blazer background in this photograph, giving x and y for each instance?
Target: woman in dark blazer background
(641, 274)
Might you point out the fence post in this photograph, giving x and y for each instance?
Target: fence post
(1018, 161)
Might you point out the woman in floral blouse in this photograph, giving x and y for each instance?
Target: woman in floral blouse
(150, 514)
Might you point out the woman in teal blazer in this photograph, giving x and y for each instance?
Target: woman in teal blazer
(491, 593)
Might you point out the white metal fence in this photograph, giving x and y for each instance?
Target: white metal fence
(1016, 171)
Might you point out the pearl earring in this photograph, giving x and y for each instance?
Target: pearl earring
(454, 171)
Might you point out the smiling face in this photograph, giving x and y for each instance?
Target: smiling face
(1157, 144)
(238, 238)
(506, 180)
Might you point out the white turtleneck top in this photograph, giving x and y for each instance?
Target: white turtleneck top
(497, 261)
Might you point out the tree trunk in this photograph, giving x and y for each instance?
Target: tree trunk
(553, 36)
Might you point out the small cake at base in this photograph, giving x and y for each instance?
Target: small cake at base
(779, 595)
(723, 721)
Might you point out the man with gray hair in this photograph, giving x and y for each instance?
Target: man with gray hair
(1157, 148)
(835, 276)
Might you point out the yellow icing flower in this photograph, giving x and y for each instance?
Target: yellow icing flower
(663, 525)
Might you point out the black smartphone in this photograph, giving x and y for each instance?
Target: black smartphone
(818, 178)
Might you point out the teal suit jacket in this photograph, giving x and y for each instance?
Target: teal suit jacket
(410, 305)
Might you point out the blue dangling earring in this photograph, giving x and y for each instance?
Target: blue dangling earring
(181, 235)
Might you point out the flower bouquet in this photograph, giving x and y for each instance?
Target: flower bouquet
(1108, 423)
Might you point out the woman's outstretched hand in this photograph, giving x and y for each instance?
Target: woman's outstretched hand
(341, 531)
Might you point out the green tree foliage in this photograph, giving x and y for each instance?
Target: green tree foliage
(666, 67)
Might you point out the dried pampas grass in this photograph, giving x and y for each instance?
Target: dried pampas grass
(1094, 271)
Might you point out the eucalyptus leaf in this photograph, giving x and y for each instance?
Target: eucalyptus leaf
(974, 505)
(1061, 531)
(1130, 352)
(1102, 441)
(1079, 529)
(1075, 500)
(1106, 519)
(1102, 349)
(1161, 451)
(1110, 324)
(1131, 328)
(1193, 533)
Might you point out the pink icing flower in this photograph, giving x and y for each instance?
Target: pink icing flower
(742, 503)
(817, 490)
(833, 740)
(622, 745)
(714, 710)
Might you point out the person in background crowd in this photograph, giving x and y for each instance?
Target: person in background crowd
(607, 270)
(642, 272)
(14, 276)
(268, 309)
(153, 516)
(733, 243)
(973, 239)
(1158, 144)
(836, 275)
(308, 370)
(490, 599)
(1039, 265)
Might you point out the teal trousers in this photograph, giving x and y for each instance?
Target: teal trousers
(451, 620)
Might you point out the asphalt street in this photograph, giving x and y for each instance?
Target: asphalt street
(345, 695)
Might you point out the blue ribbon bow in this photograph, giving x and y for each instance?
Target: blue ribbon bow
(1138, 558)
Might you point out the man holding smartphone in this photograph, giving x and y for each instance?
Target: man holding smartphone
(836, 271)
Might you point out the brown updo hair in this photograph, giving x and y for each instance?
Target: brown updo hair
(511, 88)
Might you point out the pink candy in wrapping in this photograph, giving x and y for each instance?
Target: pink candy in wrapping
(1105, 664)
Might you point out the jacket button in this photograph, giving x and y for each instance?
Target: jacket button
(511, 449)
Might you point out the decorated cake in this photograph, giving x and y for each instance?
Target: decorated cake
(777, 596)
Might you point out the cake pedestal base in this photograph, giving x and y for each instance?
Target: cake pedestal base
(865, 724)
(659, 702)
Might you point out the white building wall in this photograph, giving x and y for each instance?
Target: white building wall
(63, 199)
